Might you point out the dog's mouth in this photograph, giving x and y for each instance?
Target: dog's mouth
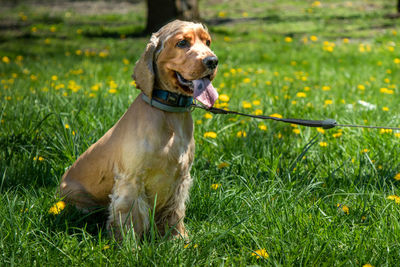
(186, 85)
(202, 89)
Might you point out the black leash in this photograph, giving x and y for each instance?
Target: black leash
(325, 124)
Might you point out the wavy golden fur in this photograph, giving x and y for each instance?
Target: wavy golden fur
(148, 153)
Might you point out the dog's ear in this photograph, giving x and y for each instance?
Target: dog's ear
(143, 74)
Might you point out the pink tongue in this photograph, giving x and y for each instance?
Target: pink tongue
(205, 92)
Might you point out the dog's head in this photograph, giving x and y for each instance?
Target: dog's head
(178, 58)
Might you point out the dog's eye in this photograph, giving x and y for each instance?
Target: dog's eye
(182, 44)
(208, 42)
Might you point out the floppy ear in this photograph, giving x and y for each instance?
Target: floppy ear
(143, 73)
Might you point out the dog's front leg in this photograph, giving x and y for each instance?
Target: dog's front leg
(173, 213)
(128, 208)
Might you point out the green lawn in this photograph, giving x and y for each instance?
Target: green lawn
(295, 195)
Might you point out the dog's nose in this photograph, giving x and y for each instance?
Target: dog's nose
(210, 62)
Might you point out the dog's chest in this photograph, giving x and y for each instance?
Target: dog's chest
(168, 167)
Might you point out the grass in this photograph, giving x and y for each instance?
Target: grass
(306, 196)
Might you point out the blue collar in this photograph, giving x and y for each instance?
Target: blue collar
(168, 101)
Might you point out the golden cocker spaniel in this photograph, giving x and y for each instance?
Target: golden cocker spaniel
(144, 160)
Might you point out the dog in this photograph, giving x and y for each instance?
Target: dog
(142, 164)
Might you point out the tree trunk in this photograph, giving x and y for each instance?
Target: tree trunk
(160, 12)
(398, 6)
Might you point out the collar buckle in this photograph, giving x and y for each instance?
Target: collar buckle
(173, 99)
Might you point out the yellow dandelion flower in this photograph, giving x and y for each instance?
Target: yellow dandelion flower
(256, 102)
(396, 60)
(113, 84)
(262, 127)
(288, 39)
(368, 265)
(313, 38)
(5, 59)
(246, 80)
(276, 115)
(326, 88)
(361, 87)
(133, 83)
(397, 177)
(125, 61)
(223, 165)
(54, 77)
(320, 130)
(112, 91)
(365, 150)
(336, 135)
(328, 48)
(345, 209)
(34, 29)
(260, 253)
(79, 31)
(210, 135)
(222, 14)
(103, 54)
(346, 40)
(246, 104)
(95, 87)
(215, 186)
(241, 134)
(296, 131)
(106, 247)
(66, 126)
(386, 91)
(221, 105)
(258, 112)
(323, 144)
(395, 198)
(57, 208)
(385, 109)
(208, 116)
(223, 97)
(301, 94)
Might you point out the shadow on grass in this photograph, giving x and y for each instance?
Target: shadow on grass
(74, 221)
